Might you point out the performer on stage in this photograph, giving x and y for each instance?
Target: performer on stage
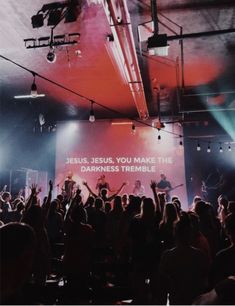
(68, 186)
(101, 184)
(164, 186)
(139, 189)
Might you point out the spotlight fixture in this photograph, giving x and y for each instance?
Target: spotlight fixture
(37, 20)
(51, 56)
(157, 44)
(54, 17)
(56, 12)
(159, 137)
(221, 149)
(92, 114)
(229, 148)
(198, 147)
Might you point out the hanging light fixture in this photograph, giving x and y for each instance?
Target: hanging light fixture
(92, 114)
(221, 149)
(34, 92)
(159, 136)
(198, 147)
(181, 142)
(229, 148)
(208, 148)
(133, 130)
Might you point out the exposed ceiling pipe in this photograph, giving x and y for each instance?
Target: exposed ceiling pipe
(154, 17)
(200, 34)
(118, 16)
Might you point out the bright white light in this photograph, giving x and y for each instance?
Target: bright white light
(159, 51)
(92, 118)
(72, 127)
(198, 147)
(29, 96)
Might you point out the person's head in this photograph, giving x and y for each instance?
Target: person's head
(194, 222)
(60, 198)
(125, 198)
(183, 230)
(99, 203)
(34, 217)
(6, 196)
(54, 206)
(148, 208)
(230, 227)
(117, 204)
(107, 207)
(20, 206)
(17, 242)
(103, 192)
(177, 205)
(102, 178)
(137, 183)
(170, 213)
(200, 208)
(174, 197)
(90, 201)
(196, 199)
(79, 215)
(162, 176)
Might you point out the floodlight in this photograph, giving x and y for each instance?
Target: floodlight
(157, 45)
(37, 20)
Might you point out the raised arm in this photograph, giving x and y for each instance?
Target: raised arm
(47, 203)
(73, 203)
(89, 189)
(153, 186)
(117, 192)
(32, 195)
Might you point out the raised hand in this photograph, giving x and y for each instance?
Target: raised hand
(33, 188)
(153, 184)
(84, 183)
(51, 185)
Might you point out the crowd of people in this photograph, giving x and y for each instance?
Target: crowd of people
(112, 247)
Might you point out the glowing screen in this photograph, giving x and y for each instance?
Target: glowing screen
(89, 150)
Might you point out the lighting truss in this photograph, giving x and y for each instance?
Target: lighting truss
(56, 41)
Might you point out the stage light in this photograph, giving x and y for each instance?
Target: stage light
(51, 56)
(72, 13)
(37, 21)
(229, 148)
(159, 137)
(92, 114)
(72, 127)
(157, 45)
(198, 147)
(54, 17)
(34, 92)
